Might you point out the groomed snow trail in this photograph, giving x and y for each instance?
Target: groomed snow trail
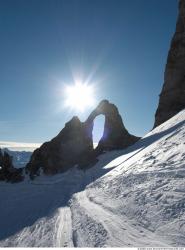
(115, 230)
(134, 197)
(64, 230)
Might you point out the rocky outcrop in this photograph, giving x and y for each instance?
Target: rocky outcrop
(74, 144)
(115, 135)
(7, 171)
(67, 149)
(172, 97)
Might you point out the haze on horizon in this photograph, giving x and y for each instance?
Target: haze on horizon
(118, 46)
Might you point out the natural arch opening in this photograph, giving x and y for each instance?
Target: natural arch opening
(98, 129)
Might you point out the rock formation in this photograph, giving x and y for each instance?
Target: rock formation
(172, 97)
(62, 152)
(115, 135)
(74, 144)
(7, 171)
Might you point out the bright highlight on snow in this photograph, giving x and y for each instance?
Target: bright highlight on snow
(79, 96)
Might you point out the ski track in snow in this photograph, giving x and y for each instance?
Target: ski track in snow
(117, 229)
(64, 228)
(130, 198)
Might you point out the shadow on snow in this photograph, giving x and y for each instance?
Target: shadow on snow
(24, 203)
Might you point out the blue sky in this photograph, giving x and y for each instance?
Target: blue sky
(121, 44)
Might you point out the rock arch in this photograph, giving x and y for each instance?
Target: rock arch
(74, 144)
(115, 135)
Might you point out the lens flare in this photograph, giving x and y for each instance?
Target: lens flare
(79, 96)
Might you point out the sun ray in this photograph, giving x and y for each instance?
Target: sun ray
(79, 96)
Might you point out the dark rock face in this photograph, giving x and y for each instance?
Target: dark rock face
(172, 97)
(63, 151)
(115, 135)
(7, 171)
(74, 144)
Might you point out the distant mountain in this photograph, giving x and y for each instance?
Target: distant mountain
(20, 158)
(21, 152)
(19, 146)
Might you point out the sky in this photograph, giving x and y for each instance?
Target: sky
(120, 46)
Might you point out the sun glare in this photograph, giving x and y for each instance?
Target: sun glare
(79, 96)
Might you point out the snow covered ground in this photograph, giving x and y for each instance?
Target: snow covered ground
(134, 197)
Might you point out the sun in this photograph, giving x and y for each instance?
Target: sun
(79, 96)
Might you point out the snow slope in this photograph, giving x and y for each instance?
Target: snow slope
(134, 197)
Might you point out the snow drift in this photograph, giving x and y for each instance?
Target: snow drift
(133, 197)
